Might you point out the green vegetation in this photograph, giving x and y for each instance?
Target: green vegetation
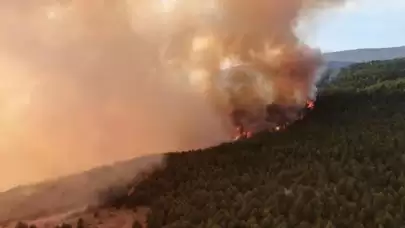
(341, 166)
(372, 75)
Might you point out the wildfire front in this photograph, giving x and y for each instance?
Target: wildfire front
(278, 117)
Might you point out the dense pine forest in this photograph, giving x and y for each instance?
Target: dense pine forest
(343, 165)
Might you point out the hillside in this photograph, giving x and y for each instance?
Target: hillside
(371, 76)
(72, 192)
(342, 166)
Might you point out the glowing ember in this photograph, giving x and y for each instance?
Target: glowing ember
(310, 104)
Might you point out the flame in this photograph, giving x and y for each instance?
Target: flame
(243, 134)
(243, 56)
(310, 104)
(95, 72)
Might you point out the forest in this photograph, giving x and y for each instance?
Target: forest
(341, 166)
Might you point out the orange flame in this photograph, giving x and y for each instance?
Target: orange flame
(242, 134)
(310, 104)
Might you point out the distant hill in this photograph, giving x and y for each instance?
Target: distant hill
(335, 61)
(365, 55)
(337, 65)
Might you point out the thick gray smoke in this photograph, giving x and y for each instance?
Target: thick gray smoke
(84, 83)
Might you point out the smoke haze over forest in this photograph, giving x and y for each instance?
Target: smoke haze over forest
(84, 84)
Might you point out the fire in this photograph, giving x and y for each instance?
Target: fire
(243, 134)
(310, 104)
(242, 56)
(195, 61)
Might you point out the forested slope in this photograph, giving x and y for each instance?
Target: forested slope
(371, 75)
(341, 166)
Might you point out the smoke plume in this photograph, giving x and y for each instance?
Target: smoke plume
(84, 83)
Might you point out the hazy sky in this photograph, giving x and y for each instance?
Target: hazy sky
(362, 24)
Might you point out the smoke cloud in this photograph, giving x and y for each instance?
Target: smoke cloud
(85, 83)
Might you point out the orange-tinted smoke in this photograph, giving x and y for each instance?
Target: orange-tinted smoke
(84, 83)
(274, 65)
(79, 88)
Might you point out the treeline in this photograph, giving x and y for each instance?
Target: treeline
(371, 75)
(341, 166)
